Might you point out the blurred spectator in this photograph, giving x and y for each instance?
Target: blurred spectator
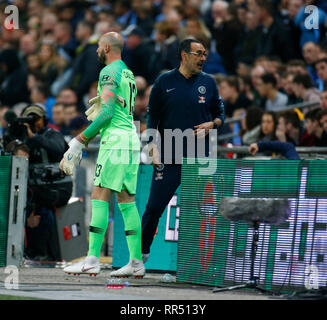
(166, 46)
(40, 94)
(323, 100)
(34, 79)
(48, 23)
(256, 73)
(141, 84)
(243, 69)
(33, 26)
(289, 127)
(311, 53)
(86, 67)
(246, 86)
(252, 125)
(137, 52)
(321, 68)
(267, 88)
(53, 65)
(195, 26)
(247, 45)
(286, 85)
(67, 96)
(174, 17)
(70, 112)
(35, 8)
(142, 15)
(58, 118)
(226, 32)
(3, 122)
(233, 99)
(33, 63)
(213, 64)
(303, 88)
(268, 126)
(296, 66)
(91, 94)
(322, 116)
(18, 148)
(313, 131)
(66, 44)
(140, 108)
(27, 46)
(122, 11)
(13, 88)
(275, 39)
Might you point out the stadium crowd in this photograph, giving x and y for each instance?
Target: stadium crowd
(262, 54)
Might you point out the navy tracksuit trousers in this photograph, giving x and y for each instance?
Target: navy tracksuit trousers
(164, 185)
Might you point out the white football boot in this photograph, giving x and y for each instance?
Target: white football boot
(135, 268)
(90, 265)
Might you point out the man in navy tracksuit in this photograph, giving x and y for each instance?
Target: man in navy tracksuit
(185, 99)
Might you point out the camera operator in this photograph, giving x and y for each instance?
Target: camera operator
(48, 187)
(40, 137)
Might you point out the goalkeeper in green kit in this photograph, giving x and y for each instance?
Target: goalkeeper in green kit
(118, 158)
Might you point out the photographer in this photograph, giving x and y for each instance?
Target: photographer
(48, 188)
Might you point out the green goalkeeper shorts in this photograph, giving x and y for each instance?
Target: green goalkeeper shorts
(117, 169)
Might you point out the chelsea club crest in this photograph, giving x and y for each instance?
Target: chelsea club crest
(202, 89)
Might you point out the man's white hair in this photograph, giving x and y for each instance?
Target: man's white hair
(221, 3)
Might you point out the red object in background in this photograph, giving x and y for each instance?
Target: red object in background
(230, 155)
(67, 233)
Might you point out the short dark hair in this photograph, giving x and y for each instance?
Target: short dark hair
(312, 114)
(269, 78)
(321, 60)
(185, 45)
(253, 117)
(304, 79)
(232, 82)
(86, 24)
(292, 117)
(296, 63)
(15, 145)
(321, 114)
(43, 89)
(268, 5)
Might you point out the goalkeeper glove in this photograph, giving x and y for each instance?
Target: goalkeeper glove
(95, 108)
(72, 156)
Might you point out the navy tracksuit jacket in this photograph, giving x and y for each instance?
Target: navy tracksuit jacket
(176, 103)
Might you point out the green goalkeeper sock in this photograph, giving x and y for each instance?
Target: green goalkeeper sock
(98, 226)
(132, 228)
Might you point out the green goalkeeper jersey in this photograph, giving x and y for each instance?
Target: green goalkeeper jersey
(117, 90)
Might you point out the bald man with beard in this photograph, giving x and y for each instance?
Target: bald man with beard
(118, 159)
